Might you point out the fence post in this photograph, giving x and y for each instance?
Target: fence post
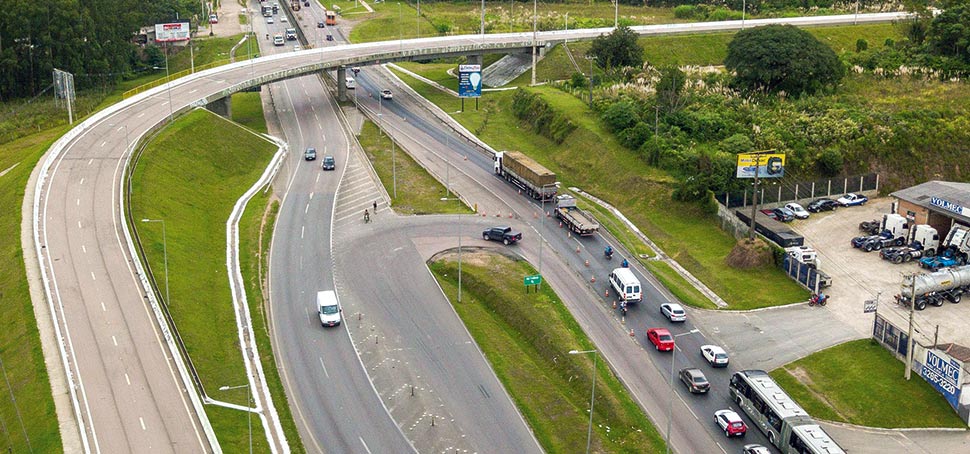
(877, 182)
(813, 190)
(762, 195)
(861, 183)
(745, 201)
(779, 193)
(828, 192)
(796, 191)
(845, 185)
(726, 205)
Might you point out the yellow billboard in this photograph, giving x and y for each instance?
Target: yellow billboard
(763, 165)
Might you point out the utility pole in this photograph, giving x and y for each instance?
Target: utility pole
(754, 199)
(912, 309)
(535, 24)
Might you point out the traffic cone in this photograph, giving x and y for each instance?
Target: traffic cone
(614, 304)
(577, 249)
(560, 225)
(607, 295)
(510, 215)
(587, 263)
(623, 320)
(593, 279)
(632, 334)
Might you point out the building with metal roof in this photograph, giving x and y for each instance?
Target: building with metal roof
(937, 203)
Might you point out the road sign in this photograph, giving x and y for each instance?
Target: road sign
(469, 81)
(533, 280)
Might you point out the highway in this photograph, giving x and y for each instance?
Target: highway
(130, 394)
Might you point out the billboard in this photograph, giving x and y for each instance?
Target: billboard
(944, 373)
(175, 31)
(469, 81)
(766, 165)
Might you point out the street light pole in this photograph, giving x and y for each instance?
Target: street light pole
(616, 14)
(743, 8)
(592, 396)
(670, 397)
(249, 411)
(164, 252)
(535, 33)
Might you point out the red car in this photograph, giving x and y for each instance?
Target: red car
(661, 339)
(730, 422)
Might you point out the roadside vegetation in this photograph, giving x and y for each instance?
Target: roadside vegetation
(247, 110)
(417, 191)
(190, 175)
(526, 337)
(860, 382)
(26, 403)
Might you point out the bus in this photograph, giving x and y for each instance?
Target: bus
(331, 17)
(787, 425)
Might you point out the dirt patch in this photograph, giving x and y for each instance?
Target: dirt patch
(749, 254)
(802, 376)
(483, 257)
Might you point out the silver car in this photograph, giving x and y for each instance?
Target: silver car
(674, 312)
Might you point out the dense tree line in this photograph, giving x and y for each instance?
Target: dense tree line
(92, 39)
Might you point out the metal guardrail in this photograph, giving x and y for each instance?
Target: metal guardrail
(171, 77)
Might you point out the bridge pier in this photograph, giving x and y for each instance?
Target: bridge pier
(221, 107)
(341, 86)
(474, 60)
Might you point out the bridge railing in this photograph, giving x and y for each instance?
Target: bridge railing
(171, 77)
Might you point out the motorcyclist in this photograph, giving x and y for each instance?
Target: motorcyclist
(625, 263)
(608, 251)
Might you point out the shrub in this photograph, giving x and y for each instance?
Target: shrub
(861, 45)
(621, 115)
(685, 11)
(577, 80)
(635, 136)
(543, 119)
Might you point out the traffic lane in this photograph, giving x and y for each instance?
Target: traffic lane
(330, 389)
(405, 304)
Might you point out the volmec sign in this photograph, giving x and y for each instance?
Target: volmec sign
(949, 206)
(943, 372)
(470, 81)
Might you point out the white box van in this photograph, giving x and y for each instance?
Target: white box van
(328, 308)
(350, 83)
(626, 285)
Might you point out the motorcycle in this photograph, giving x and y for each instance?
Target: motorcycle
(623, 308)
(818, 299)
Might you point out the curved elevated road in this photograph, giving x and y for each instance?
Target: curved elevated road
(130, 397)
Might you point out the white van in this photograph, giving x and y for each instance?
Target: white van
(328, 308)
(350, 83)
(626, 285)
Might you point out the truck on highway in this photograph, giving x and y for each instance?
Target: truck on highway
(955, 250)
(935, 288)
(267, 10)
(295, 5)
(573, 218)
(504, 234)
(291, 34)
(528, 175)
(331, 17)
(278, 40)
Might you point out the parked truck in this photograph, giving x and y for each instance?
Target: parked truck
(923, 242)
(808, 256)
(954, 250)
(894, 229)
(531, 177)
(573, 218)
(935, 288)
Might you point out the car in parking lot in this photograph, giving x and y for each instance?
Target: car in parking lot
(783, 214)
(661, 339)
(730, 422)
(851, 200)
(797, 210)
(213, 19)
(694, 380)
(310, 154)
(673, 311)
(386, 94)
(329, 163)
(820, 205)
(715, 356)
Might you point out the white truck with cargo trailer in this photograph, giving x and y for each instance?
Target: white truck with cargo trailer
(575, 219)
(934, 288)
(528, 175)
(923, 242)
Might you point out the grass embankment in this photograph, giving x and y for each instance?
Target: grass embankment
(417, 191)
(641, 192)
(247, 110)
(190, 176)
(26, 405)
(860, 382)
(526, 338)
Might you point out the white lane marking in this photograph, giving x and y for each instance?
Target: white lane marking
(82, 181)
(84, 249)
(90, 161)
(316, 117)
(317, 180)
(328, 376)
(165, 103)
(103, 143)
(365, 445)
(302, 229)
(114, 341)
(141, 115)
(311, 196)
(103, 309)
(307, 209)
(78, 202)
(193, 91)
(92, 276)
(142, 421)
(127, 380)
(120, 128)
(78, 224)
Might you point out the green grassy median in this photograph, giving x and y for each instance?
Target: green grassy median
(526, 337)
(860, 382)
(190, 176)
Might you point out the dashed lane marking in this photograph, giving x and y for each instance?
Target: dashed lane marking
(114, 340)
(127, 380)
(142, 421)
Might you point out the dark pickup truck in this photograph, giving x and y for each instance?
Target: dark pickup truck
(503, 234)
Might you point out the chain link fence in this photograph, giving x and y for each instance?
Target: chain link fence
(778, 191)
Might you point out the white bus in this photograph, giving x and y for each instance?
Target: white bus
(787, 425)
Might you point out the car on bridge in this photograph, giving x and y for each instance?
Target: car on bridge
(386, 94)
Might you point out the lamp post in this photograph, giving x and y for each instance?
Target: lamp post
(535, 34)
(670, 397)
(459, 246)
(164, 251)
(743, 7)
(616, 14)
(249, 410)
(592, 395)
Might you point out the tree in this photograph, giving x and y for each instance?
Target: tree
(949, 32)
(621, 115)
(619, 48)
(670, 88)
(785, 58)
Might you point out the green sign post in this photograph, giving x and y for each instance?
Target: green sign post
(532, 280)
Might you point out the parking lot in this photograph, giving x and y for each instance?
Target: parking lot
(858, 276)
